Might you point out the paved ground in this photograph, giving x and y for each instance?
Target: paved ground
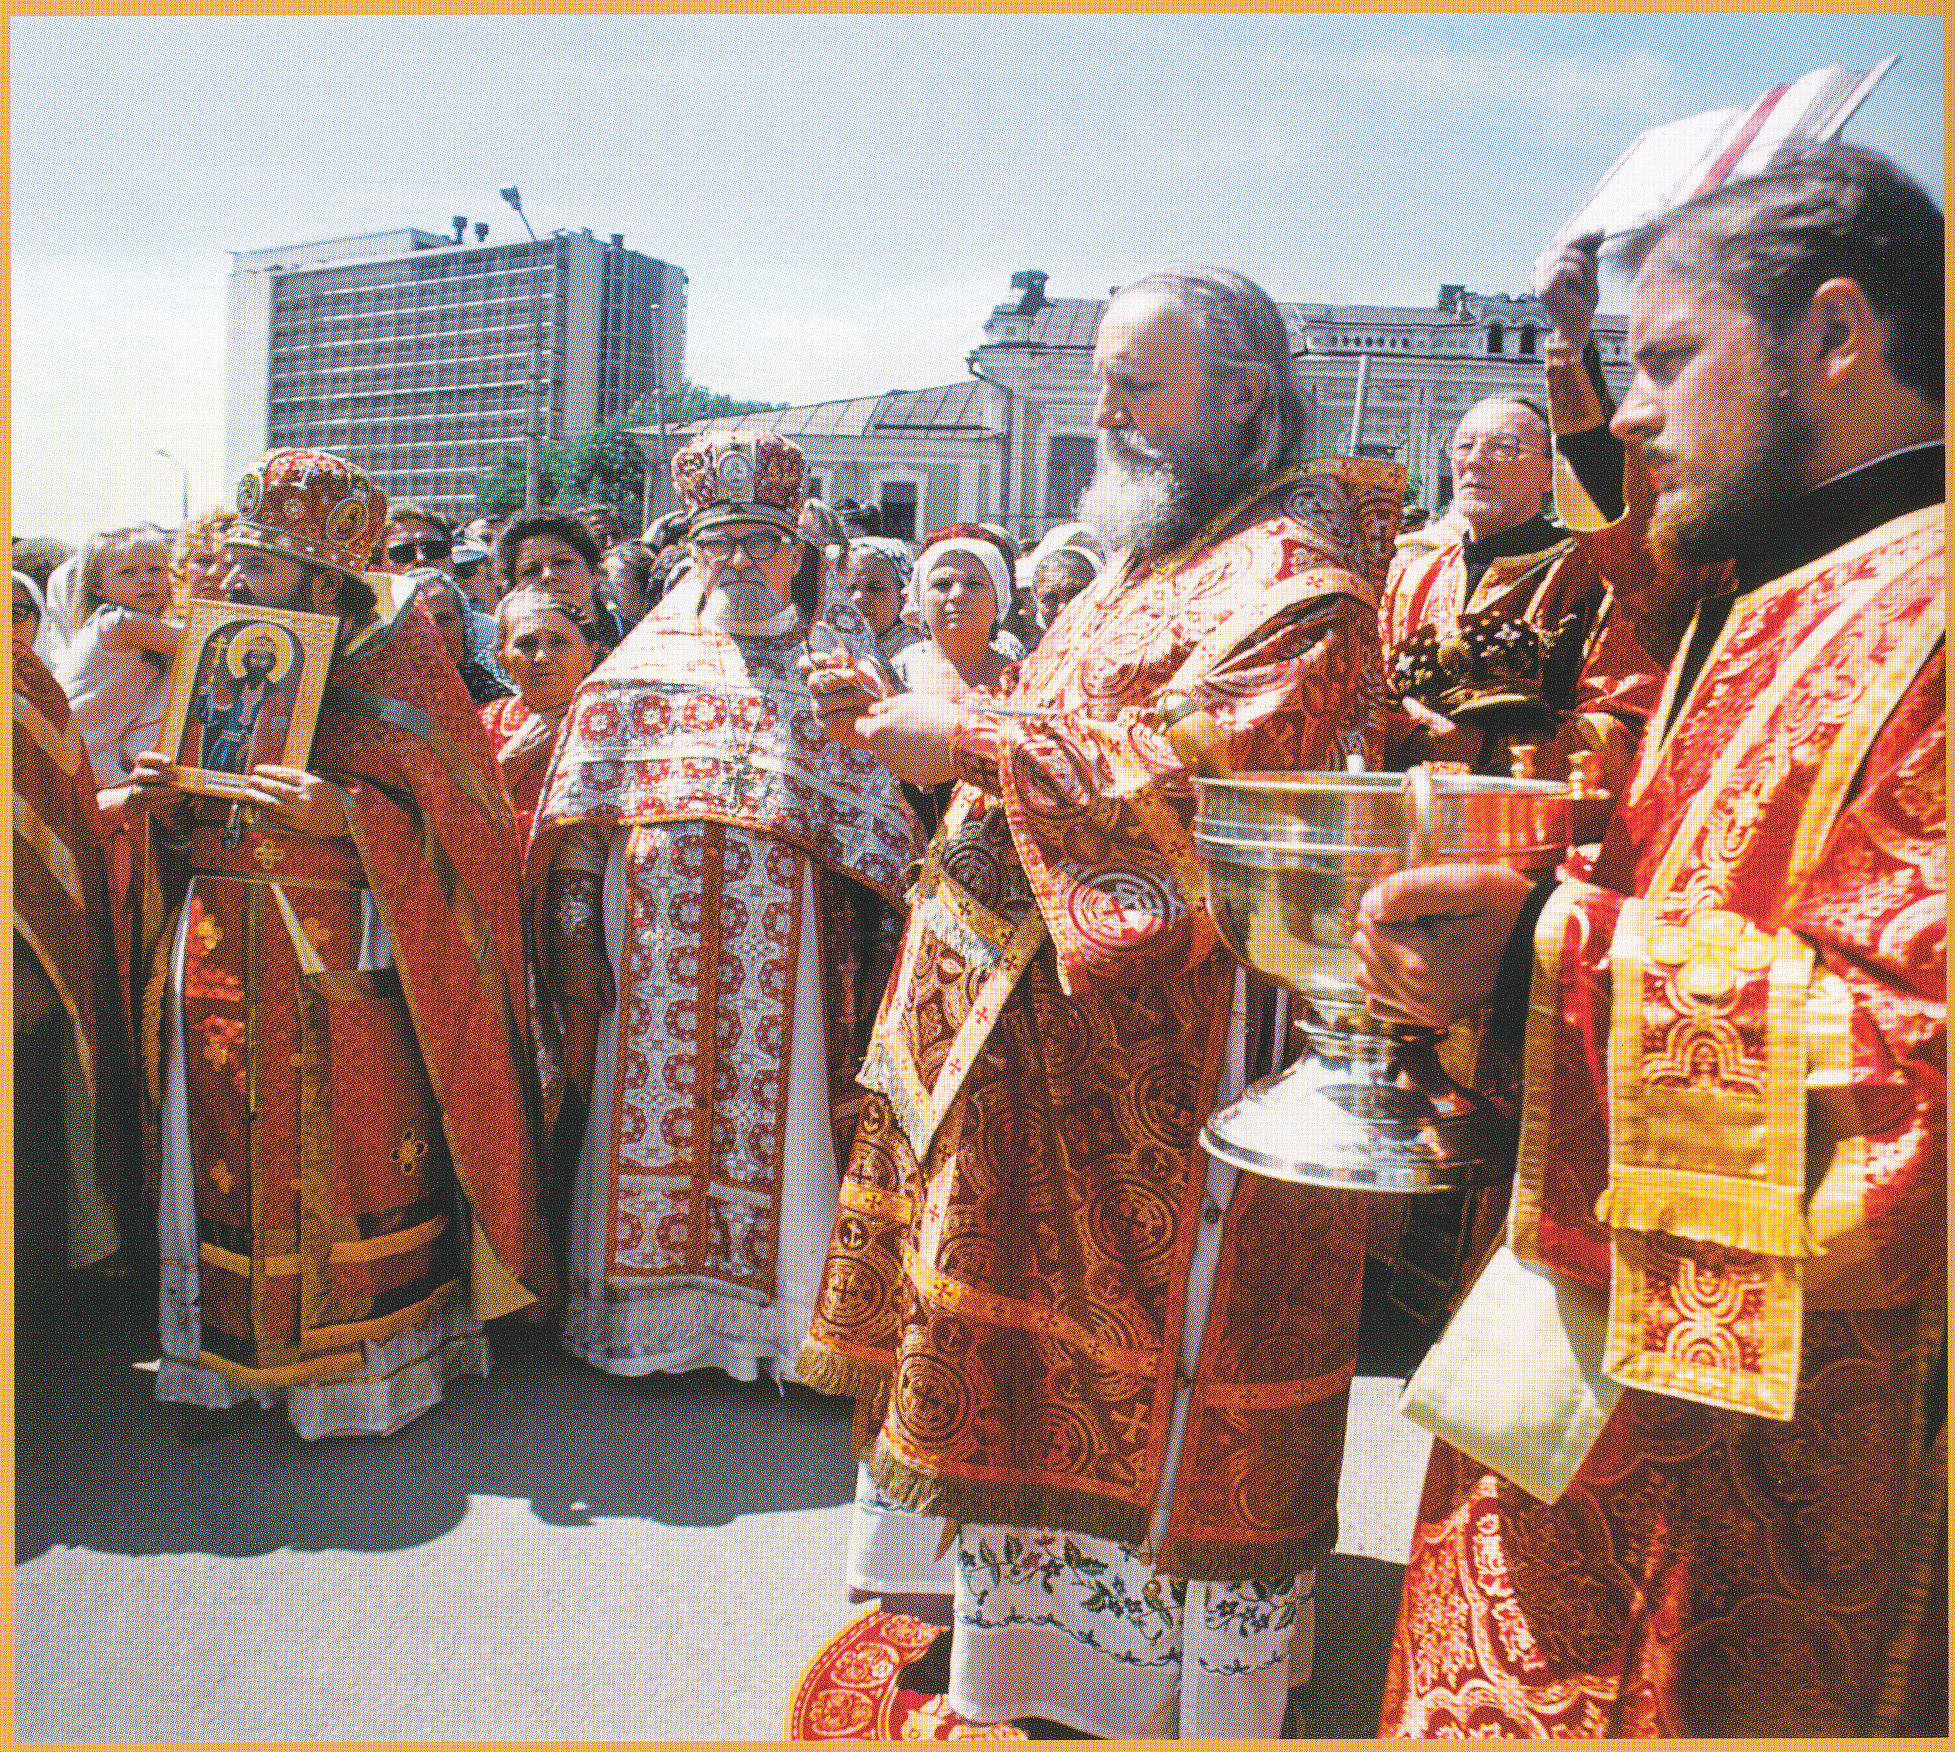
(551, 1554)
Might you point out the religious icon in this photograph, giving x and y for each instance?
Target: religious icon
(244, 692)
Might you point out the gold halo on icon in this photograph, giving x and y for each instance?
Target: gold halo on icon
(245, 637)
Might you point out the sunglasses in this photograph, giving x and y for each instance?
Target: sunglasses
(433, 547)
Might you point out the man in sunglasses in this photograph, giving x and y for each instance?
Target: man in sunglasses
(416, 536)
(715, 883)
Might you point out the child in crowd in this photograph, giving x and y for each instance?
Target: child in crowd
(116, 670)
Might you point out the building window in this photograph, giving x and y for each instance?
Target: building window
(1496, 338)
(815, 484)
(1527, 340)
(1068, 467)
(899, 509)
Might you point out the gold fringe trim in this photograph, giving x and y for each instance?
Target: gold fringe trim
(1708, 1207)
(828, 1371)
(154, 989)
(1229, 1560)
(975, 1501)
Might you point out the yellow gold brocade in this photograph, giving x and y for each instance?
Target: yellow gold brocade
(1719, 1158)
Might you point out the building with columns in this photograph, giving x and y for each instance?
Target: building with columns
(1013, 443)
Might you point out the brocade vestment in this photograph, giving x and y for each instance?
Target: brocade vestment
(1007, 1283)
(1541, 575)
(749, 863)
(1617, 682)
(61, 918)
(336, 1036)
(1733, 1123)
(1602, 693)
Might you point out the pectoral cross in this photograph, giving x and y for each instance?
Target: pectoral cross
(741, 774)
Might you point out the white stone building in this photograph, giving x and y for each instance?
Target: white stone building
(1013, 443)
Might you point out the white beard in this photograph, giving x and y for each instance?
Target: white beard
(1143, 498)
(747, 607)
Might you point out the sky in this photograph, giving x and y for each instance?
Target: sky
(849, 194)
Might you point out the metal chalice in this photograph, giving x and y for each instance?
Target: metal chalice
(1287, 858)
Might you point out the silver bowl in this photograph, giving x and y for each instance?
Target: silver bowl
(1287, 857)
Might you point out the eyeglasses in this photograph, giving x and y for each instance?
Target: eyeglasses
(429, 547)
(468, 568)
(759, 544)
(1500, 447)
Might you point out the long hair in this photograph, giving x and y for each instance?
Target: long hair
(1240, 331)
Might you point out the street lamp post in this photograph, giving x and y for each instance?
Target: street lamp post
(167, 457)
(655, 476)
(533, 425)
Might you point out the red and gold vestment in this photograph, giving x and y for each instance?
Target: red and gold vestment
(1008, 1276)
(1618, 680)
(1734, 1123)
(61, 917)
(362, 1125)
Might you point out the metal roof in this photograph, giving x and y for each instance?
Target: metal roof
(949, 407)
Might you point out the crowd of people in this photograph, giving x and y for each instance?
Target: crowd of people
(771, 946)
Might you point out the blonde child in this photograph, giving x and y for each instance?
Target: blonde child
(116, 669)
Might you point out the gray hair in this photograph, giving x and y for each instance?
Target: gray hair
(1239, 331)
(536, 600)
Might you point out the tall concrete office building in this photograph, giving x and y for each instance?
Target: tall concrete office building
(424, 357)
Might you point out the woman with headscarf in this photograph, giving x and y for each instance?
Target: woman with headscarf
(876, 575)
(549, 645)
(462, 631)
(960, 589)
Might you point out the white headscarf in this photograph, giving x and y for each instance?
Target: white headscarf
(987, 554)
(51, 636)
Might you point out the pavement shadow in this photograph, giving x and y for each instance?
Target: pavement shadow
(100, 1465)
(1357, 1605)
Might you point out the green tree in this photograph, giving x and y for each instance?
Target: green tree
(605, 464)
